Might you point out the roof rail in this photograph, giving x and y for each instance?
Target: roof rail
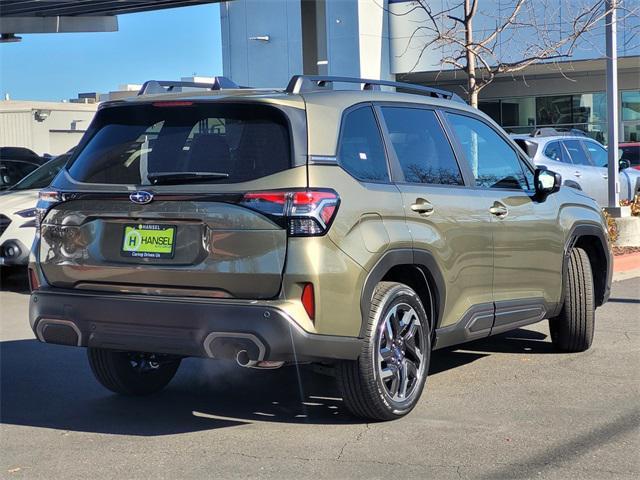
(172, 86)
(311, 83)
(558, 132)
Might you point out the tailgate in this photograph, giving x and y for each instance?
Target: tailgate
(217, 246)
(153, 199)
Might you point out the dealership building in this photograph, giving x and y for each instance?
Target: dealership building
(264, 43)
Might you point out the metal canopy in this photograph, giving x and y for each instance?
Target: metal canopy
(59, 16)
(70, 8)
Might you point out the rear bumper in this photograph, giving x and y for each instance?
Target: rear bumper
(179, 326)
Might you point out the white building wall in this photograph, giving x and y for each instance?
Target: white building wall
(357, 40)
(15, 129)
(343, 40)
(373, 29)
(58, 132)
(259, 63)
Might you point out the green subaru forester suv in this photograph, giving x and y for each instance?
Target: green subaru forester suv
(359, 228)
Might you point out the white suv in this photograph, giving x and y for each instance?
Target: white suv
(580, 160)
(18, 213)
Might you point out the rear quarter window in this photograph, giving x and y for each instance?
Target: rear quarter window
(127, 143)
(555, 151)
(361, 152)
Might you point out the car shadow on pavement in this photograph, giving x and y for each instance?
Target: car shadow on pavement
(515, 341)
(624, 300)
(52, 386)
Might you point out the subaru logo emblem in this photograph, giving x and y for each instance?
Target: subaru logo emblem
(141, 197)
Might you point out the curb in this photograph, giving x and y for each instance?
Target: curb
(626, 266)
(629, 274)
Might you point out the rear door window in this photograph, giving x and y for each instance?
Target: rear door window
(128, 143)
(578, 155)
(422, 149)
(361, 152)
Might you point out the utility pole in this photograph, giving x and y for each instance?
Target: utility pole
(612, 107)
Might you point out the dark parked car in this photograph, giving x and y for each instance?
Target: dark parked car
(16, 163)
(12, 171)
(22, 153)
(631, 152)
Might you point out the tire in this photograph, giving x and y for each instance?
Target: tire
(372, 385)
(572, 330)
(130, 373)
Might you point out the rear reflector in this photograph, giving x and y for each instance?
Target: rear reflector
(308, 300)
(34, 283)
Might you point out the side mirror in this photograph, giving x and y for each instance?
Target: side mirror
(622, 164)
(546, 182)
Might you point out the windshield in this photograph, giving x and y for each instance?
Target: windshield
(134, 144)
(43, 175)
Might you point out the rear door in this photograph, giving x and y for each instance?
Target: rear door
(445, 217)
(166, 198)
(600, 158)
(591, 178)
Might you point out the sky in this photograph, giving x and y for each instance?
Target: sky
(160, 45)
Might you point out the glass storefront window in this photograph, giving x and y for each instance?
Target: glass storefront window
(554, 111)
(631, 105)
(589, 108)
(630, 113)
(518, 112)
(586, 112)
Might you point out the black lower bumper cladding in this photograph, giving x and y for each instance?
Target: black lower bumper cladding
(182, 326)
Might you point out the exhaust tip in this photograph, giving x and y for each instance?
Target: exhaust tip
(243, 347)
(242, 357)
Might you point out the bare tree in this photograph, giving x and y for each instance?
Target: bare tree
(506, 40)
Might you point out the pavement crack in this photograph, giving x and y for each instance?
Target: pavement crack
(356, 440)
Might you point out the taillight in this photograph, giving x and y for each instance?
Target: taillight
(46, 200)
(308, 300)
(306, 213)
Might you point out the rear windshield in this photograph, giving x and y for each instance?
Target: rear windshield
(128, 143)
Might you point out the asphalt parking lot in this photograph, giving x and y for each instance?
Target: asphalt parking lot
(505, 407)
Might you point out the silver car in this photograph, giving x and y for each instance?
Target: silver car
(580, 160)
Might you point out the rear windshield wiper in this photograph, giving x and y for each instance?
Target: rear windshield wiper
(172, 178)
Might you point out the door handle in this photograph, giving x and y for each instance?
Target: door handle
(499, 210)
(422, 206)
(605, 177)
(577, 173)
